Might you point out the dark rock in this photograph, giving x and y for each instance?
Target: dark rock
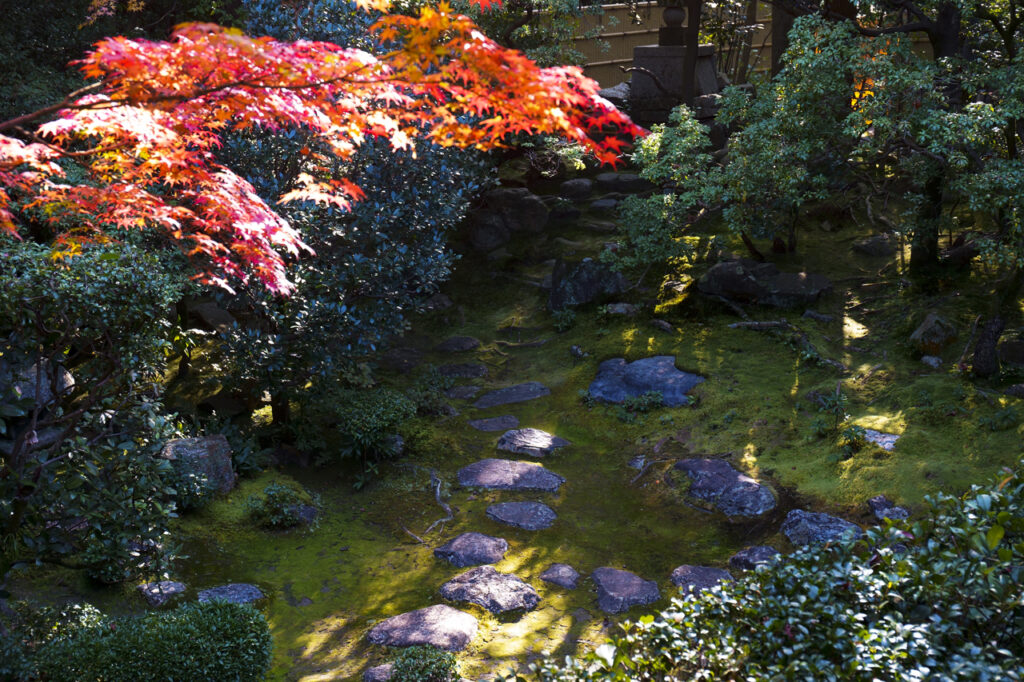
(732, 492)
(494, 591)
(804, 528)
(932, 361)
(53, 382)
(746, 281)
(507, 474)
(562, 575)
(878, 245)
(464, 370)
(1016, 391)
(617, 380)
(462, 392)
(933, 335)
(470, 549)
(458, 344)
(627, 183)
(439, 625)
(565, 212)
(525, 515)
(213, 316)
(438, 301)
(886, 441)
(235, 593)
(663, 325)
(378, 673)
(225, 404)
(209, 456)
(884, 508)
(751, 557)
(159, 593)
(604, 205)
(502, 423)
(519, 393)
(402, 359)
(1012, 352)
(306, 513)
(531, 442)
(599, 226)
(586, 282)
(617, 590)
(627, 309)
(487, 232)
(693, 579)
(506, 210)
(617, 95)
(576, 190)
(818, 317)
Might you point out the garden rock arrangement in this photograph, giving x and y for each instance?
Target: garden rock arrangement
(470, 549)
(519, 393)
(562, 575)
(804, 528)
(531, 442)
(586, 282)
(732, 492)
(439, 625)
(749, 558)
(234, 593)
(618, 590)
(618, 380)
(525, 515)
(746, 281)
(209, 456)
(693, 579)
(507, 474)
(494, 591)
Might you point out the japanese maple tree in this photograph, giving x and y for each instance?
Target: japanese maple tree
(145, 132)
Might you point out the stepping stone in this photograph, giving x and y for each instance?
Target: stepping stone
(378, 673)
(884, 508)
(886, 441)
(693, 579)
(494, 591)
(604, 205)
(501, 423)
(402, 359)
(625, 309)
(470, 549)
(732, 492)
(525, 515)
(577, 189)
(562, 575)
(751, 557)
(235, 593)
(439, 625)
(305, 513)
(804, 528)
(458, 344)
(159, 593)
(617, 590)
(463, 370)
(618, 380)
(507, 474)
(530, 442)
(519, 393)
(462, 392)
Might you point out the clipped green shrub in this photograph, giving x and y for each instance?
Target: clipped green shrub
(213, 641)
(277, 506)
(425, 664)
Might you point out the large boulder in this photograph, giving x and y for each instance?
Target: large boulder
(618, 380)
(208, 457)
(586, 282)
(530, 442)
(470, 549)
(732, 492)
(525, 515)
(746, 281)
(693, 579)
(439, 625)
(805, 528)
(578, 189)
(933, 335)
(618, 590)
(507, 474)
(494, 591)
(505, 211)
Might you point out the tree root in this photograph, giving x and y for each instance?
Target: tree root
(798, 337)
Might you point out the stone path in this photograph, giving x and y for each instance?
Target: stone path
(502, 423)
(439, 625)
(562, 575)
(804, 528)
(531, 442)
(619, 590)
(525, 515)
(494, 591)
(749, 558)
(618, 380)
(732, 492)
(693, 579)
(470, 549)
(519, 393)
(507, 474)
(463, 370)
(458, 344)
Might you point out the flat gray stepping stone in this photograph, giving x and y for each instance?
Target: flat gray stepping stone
(470, 549)
(463, 370)
(562, 575)
(458, 344)
(501, 423)
(525, 515)
(507, 474)
(751, 557)
(519, 393)
(618, 591)
(884, 508)
(732, 492)
(618, 380)
(804, 528)
(378, 673)
(496, 592)
(462, 392)
(693, 579)
(577, 189)
(159, 593)
(886, 441)
(235, 593)
(439, 625)
(530, 442)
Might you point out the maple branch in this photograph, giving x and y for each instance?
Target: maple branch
(67, 103)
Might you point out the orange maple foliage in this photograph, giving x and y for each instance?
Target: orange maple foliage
(146, 132)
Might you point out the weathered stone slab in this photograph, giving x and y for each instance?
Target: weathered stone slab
(749, 558)
(462, 392)
(587, 281)
(693, 579)
(886, 441)
(732, 492)
(235, 593)
(884, 508)
(531, 442)
(804, 528)
(577, 189)
(525, 515)
(618, 591)
(439, 625)
(458, 344)
(501, 423)
(618, 380)
(519, 393)
(562, 575)
(507, 474)
(209, 456)
(161, 592)
(463, 370)
(494, 591)
(470, 549)
(378, 673)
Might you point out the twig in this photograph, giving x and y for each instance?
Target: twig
(436, 482)
(416, 537)
(767, 324)
(799, 336)
(970, 339)
(735, 307)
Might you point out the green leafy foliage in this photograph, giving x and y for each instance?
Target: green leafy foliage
(565, 319)
(277, 506)
(633, 407)
(425, 664)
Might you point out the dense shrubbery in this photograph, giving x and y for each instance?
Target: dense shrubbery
(278, 506)
(940, 598)
(425, 664)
